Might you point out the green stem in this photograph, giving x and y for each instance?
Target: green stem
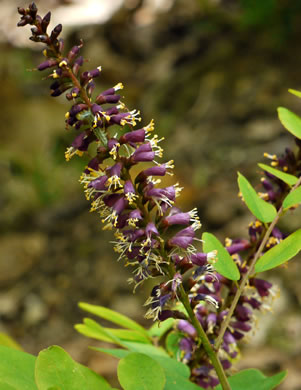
(205, 341)
(247, 275)
(203, 338)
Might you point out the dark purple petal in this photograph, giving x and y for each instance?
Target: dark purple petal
(100, 183)
(151, 229)
(183, 238)
(199, 258)
(262, 286)
(143, 157)
(47, 64)
(177, 219)
(133, 136)
(186, 327)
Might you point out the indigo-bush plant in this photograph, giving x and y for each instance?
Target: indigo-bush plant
(204, 301)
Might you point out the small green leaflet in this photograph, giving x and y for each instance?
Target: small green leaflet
(92, 329)
(172, 343)
(113, 316)
(17, 369)
(292, 199)
(295, 92)
(280, 253)
(101, 135)
(262, 210)
(252, 379)
(225, 264)
(145, 348)
(116, 352)
(139, 371)
(177, 374)
(290, 121)
(286, 177)
(56, 369)
(166, 362)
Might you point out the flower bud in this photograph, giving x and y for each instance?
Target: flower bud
(21, 11)
(45, 21)
(56, 32)
(47, 64)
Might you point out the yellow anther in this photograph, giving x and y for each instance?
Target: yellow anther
(228, 241)
(118, 86)
(55, 75)
(270, 156)
(63, 63)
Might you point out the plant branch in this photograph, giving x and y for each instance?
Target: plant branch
(205, 341)
(203, 338)
(246, 277)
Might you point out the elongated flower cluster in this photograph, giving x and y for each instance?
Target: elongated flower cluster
(152, 234)
(257, 296)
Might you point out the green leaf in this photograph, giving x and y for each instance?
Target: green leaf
(290, 121)
(262, 210)
(94, 330)
(165, 361)
(138, 371)
(286, 177)
(128, 335)
(174, 381)
(159, 328)
(101, 333)
(7, 341)
(252, 379)
(116, 352)
(173, 366)
(113, 316)
(145, 348)
(295, 92)
(149, 350)
(172, 343)
(5, 386)
(292, 199)
(177, 374)
(17, 369)
(280, 253)
(55, 369)
(225, 265)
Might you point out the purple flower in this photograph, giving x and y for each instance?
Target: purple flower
(186, 327)
(94, 73)
(133, 136)
(47, 64)
(99, 184)
(238, 246)
(183, 238)
(263, 286)
(143, 153)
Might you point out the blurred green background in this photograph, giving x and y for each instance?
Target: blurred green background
(211, 73)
